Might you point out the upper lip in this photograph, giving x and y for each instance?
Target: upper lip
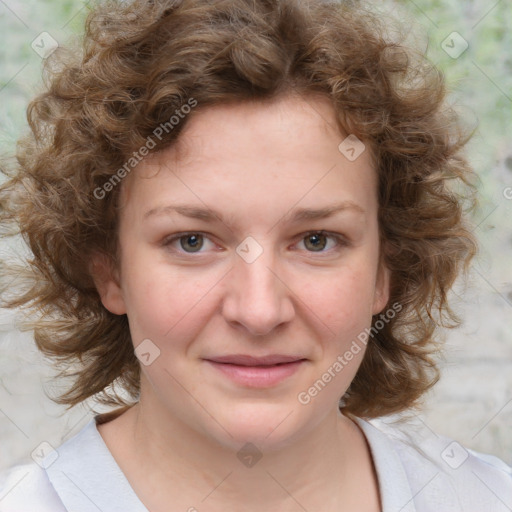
(246, 360)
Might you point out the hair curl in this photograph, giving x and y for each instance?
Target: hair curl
(140, 62)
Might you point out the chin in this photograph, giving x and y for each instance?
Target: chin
(268, 428)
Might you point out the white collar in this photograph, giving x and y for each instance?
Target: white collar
(85, 467)
(97, 472)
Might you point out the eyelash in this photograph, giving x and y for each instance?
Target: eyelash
(340, 240)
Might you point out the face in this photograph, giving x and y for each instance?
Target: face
(249, 260)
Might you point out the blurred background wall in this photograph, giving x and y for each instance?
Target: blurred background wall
(470, 41)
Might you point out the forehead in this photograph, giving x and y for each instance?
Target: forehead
(290, 142)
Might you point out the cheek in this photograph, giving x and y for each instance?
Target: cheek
(342, 300)
(164, 304)
(345, 307)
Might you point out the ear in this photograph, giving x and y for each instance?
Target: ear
(106, 280)
(382, 285)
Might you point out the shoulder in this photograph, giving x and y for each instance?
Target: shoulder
(80, 475)
(44, 485)
(438, 470)
(27, 487)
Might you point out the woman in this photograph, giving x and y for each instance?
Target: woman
(243, 214)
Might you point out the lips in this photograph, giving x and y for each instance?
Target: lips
(256, 372)
(246, 360)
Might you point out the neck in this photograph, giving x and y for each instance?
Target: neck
(171, 463)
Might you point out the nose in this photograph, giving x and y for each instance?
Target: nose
(258, 298)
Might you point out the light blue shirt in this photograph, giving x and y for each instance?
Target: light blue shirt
(431, 474)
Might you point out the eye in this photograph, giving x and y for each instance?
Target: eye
(314, 241)
(317, 241)
(188, 242)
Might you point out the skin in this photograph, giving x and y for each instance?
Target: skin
(254, 163)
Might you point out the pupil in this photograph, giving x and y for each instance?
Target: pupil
(315, 237)
(193, 241)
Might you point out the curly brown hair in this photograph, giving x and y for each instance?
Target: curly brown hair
(141, 62)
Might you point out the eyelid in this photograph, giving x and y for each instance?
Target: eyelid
(167, 241)
(341, 241)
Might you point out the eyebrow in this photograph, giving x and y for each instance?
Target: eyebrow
(294, 216)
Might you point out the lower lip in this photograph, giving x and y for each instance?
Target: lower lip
(257, 376)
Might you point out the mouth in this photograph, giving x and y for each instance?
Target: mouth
(246, 360)
(257, 372)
